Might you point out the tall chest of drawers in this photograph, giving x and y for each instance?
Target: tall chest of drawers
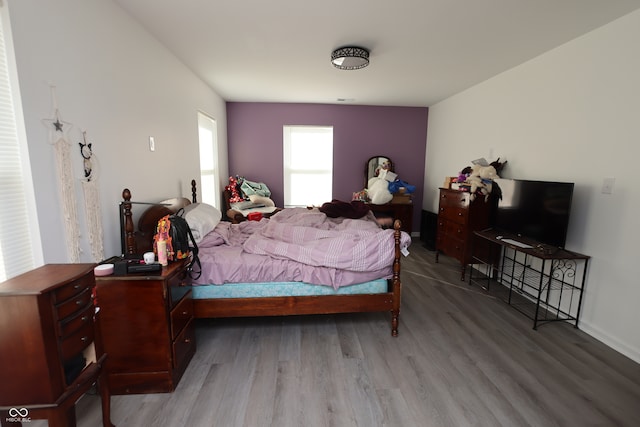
(148, 329)
(47, 351)
(458, 218)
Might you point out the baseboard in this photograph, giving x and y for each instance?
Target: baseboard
(620, 347)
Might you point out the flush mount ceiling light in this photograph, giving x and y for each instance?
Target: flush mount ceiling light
(350, 58)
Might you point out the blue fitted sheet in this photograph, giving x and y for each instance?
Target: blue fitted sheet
(277, 289)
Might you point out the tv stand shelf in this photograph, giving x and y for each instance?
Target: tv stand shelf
(542, 282)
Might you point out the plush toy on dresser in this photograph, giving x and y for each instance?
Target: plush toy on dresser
(478, 179)
(481, 180)
(378, 189)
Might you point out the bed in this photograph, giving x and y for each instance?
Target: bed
(369, 290)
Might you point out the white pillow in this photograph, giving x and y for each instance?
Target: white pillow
(202, 218)
(261, 200)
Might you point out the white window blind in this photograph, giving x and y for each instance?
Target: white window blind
(308, 165)
(16, 249)
(208, 135)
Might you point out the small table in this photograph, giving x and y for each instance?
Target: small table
(543, 282)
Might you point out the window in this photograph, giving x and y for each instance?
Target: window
(308, 165)
(208, 135)
(19, 232)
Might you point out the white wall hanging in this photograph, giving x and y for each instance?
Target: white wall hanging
(64, 169)
(92, 199)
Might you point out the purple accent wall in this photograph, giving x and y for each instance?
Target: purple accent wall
(254, 134)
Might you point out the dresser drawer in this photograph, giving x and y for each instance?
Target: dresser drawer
(184, 345)
(77, 341)
(456, 230)
(74, 305)
(454, 248)
(71, 324)
(454, 199)
(181, 315)
(71, 289)
(456, 214)
(179, 286)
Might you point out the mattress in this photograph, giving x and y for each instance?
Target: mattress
(276, 289)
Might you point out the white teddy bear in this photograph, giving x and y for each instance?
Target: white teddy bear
(481, 178)
(378, 189)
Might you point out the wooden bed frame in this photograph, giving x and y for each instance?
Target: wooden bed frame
(272, 306)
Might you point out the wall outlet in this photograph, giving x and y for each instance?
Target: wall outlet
(607, 185)
(152, 144)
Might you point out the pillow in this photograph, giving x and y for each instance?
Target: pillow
(261, 200)
(202, 218)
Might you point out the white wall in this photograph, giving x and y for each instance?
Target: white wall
(572, 114)
(120, 85)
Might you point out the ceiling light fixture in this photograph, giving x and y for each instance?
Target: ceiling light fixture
(350, 58)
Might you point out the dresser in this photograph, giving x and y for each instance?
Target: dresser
(401, 211)
(148, 329)
(48, 336)
(458, 218)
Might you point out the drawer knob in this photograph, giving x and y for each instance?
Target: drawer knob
(187, 340)
(84, 339)
(459, 213)
(184, 313)
(85, 318)
(76, 286)
(78, 302)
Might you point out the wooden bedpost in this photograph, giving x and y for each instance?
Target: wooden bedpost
(194, 193)
(395, 311)
(129, 237)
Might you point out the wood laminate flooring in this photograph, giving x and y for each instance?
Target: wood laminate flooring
(463, 358)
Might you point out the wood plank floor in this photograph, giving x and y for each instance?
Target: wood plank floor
(463, 358)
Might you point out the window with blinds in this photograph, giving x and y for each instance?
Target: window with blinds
(16, 220)
(308, 165)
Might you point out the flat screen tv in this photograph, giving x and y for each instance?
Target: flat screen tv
(538, 210)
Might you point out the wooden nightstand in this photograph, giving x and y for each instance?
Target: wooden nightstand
(147, 329)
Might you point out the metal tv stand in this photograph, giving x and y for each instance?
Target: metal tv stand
(541, 281)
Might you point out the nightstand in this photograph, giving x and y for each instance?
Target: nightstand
(401, 211)
(147, 328)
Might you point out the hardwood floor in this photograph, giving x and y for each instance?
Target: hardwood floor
(463, 357)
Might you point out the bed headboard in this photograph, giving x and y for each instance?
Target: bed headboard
(137, 240)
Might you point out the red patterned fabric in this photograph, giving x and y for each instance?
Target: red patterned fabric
(233, 187)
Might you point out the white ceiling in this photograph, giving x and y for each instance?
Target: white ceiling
(422, 51)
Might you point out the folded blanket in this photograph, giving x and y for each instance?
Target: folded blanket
(338, 208)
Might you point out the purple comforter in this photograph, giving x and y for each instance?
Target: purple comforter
(298, 245)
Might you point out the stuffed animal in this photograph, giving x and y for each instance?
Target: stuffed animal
(498, 165)
(481, 180)
(378, 189)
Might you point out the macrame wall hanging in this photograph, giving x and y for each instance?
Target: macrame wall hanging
(57, 135)
(91, 199)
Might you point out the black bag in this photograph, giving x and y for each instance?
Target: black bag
(180, 242)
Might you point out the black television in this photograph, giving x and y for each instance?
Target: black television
(538, 210)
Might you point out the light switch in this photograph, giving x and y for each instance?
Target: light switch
(607, 185)
(152, 144)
